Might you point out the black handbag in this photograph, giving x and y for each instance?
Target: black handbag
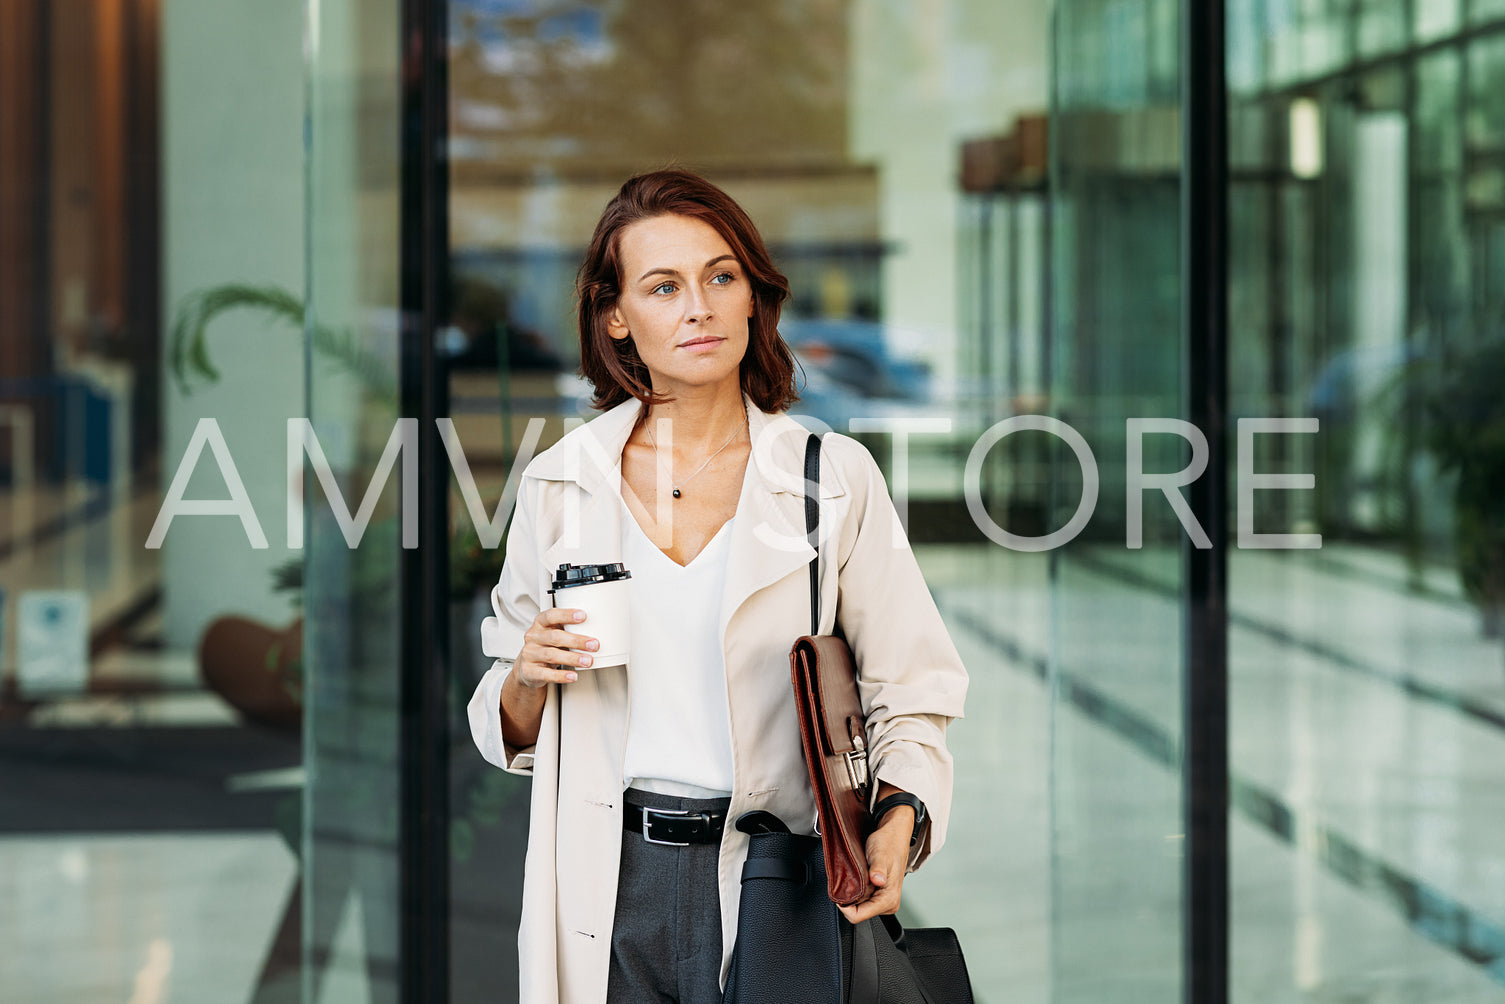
(794, 946)
(788, 948)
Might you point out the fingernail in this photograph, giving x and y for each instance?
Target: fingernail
(572, 677)
(879, 877)
(585, 660)
(593, 644)
(580, 615)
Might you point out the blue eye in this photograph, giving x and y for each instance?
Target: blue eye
(724, 279)
(664, 287)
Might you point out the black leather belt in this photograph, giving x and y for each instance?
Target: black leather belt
(677, 827)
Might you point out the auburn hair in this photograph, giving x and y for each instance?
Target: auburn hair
(613, 366)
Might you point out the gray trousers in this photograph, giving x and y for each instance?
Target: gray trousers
(666, 938)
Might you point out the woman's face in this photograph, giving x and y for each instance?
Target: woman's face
(685, 302)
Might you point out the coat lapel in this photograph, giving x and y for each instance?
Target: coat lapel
(591, 459)
(768, 539)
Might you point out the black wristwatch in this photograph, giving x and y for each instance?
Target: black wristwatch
(901, 798)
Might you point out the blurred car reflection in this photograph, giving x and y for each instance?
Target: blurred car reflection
(849, 371)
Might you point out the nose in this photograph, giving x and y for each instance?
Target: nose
(697, 308)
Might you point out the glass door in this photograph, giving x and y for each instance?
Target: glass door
(353, 552)
(1116, 662)
(838, 125)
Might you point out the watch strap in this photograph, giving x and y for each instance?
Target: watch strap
(901, 798)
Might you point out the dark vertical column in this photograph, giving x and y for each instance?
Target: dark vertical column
(26, 231)
(1204, 259)
(143, 265)
(24, 241)
(425, 571)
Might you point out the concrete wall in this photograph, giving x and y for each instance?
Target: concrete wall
(233, 206)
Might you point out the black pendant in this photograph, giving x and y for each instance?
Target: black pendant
(676, 493)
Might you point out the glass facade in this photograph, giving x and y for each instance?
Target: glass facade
(1365, 676)
(1363, 660)
(249, 253)
(353, 570)
(1114, 651)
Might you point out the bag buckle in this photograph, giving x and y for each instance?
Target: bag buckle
(648, 821)
(856, 761)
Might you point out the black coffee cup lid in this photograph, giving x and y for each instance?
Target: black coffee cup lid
(587, 575)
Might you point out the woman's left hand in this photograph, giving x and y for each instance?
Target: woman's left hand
(887, 861)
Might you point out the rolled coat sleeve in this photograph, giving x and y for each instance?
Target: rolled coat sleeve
(515, 602)
(911, 678)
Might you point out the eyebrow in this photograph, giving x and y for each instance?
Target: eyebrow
(675, 272)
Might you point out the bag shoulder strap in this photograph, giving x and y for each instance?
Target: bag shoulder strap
(812, 524)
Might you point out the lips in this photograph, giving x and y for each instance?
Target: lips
(703, 340)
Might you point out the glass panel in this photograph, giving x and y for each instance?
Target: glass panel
(838, 125)
(1435, 18)
(1366, 697)
(1485, 112)
(1299, 307)
(150, 760)
(1382, 26)
(1115, 791)
(1246, 45)
(1439, 141)
(1254, 285)
(352, 644)
(1482, 11)
(1442, 253)
(1323, 35)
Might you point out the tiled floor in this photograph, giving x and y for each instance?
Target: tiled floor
(144, 920)
(1360, 714)
(1366, 861)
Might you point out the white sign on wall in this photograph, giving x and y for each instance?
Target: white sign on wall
(52, 642)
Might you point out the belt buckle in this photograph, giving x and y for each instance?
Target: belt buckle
(666, 812)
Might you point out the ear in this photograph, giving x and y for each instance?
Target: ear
(616, 324)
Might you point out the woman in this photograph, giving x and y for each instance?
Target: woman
(693, 477)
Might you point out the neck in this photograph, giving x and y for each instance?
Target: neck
(699, 422)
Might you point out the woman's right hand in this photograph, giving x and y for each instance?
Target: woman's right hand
(550, 653)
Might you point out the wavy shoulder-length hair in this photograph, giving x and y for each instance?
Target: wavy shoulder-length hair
(613, 367)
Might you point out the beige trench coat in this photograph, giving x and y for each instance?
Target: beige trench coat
(913, 682)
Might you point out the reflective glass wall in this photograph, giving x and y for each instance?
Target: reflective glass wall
(1362, 628)
(202, 225)
(355, 460)
(1367, 209)
(203, 222)
(893, 156)
(150, 672)
(1115, 644)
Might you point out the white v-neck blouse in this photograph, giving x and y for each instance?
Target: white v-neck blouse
(678, 727)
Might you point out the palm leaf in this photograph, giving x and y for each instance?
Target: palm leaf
(188, 352)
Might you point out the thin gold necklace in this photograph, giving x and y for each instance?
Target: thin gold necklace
(660, 460)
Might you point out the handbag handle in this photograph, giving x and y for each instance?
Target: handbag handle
(812, 524)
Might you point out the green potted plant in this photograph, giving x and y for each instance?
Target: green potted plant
(1460, 399)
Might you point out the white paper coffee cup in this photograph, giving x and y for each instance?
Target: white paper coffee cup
(601, 591)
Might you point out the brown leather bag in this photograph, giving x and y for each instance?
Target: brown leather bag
(832, 727)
